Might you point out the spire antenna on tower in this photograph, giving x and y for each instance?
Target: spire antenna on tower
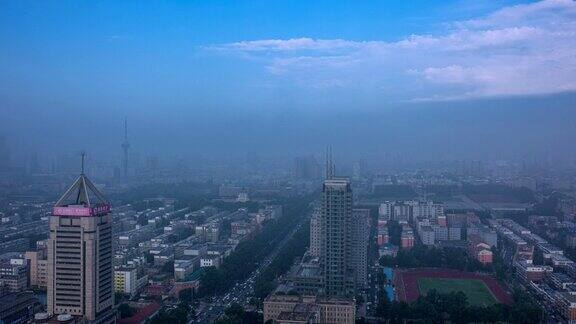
(332, 165)
(329, 163)
(83, 154)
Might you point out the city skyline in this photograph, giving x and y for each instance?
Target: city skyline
(175, 161)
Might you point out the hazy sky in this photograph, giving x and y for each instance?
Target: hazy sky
(436, 79)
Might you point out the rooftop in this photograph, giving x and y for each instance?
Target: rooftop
(142, 314)
(82, 198)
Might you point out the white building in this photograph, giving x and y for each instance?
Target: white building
(210, 261)
(125, 281)
(427, 235)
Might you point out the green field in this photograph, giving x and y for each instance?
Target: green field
(475, 290)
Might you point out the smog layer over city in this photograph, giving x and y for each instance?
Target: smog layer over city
(288, 161)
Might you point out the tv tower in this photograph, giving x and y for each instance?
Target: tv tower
(125, 147)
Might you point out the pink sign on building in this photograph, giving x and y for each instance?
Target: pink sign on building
(72, 211)
(81, 211)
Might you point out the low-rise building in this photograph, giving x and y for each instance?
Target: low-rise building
(407, 237)
(282, 308)
(529, 272)
(14, 275)
(183, 268)
(18, 307)
(383, 235)
(484, 256)
(427, 235)
(440, 233)
(37, 262)
(210, 261)
(125, 281)
(560, 281)
(479, 250)
(306, 277)
(388, 250)
(454, 233)
(484, 234)
(567, 306)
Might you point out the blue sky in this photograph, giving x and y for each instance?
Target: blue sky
(157, 49)
(161, 61)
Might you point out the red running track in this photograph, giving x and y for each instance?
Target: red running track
(406, 282)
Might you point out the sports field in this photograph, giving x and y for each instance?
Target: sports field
(475, 290)
(480, 289)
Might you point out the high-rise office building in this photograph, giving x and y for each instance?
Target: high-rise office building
(343, 234)
(336, 249)
(360, 241)
(80, 271)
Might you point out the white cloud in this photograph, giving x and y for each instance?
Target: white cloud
(297, 44)
(527, 49)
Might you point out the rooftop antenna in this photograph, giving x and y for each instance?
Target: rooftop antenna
(83, 154)
(329, 163)
(80, 190)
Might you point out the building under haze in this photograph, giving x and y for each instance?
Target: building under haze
(340, 236)
(360, 240)
(80, 255)
(306, 168)
(336, 249)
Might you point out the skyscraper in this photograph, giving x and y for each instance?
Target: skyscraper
(80, 254)
(343, 236)
(336, 222)
(360, 241)
(336, 234)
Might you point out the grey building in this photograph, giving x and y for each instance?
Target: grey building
(440, 233)
(14, 276)
(427, 235)
(454, 233)
(360, 239)
(489, 236)
(18, 307)
(337, 234)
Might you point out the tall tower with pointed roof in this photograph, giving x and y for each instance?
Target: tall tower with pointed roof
(80, 254)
